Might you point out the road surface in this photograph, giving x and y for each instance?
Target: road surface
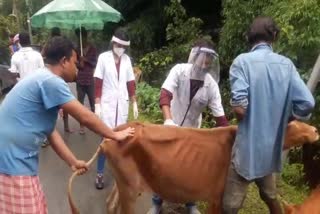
(54, 175)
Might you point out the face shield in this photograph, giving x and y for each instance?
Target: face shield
(204, 60)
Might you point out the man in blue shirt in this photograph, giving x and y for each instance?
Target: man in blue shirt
(266, 90)
(29, 113)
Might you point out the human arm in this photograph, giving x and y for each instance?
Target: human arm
(98, 82)
(56, 93)
(239, 89)
(65, 154)
(302, 99)
(215, 105)
(98, 93)
(90, 56)
(165, 99)
(166, 94)
(11, 50)
(131, 87)
(92, 122)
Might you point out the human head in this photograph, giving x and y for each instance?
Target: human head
(55, 31)
(262, 29)
(204, 60)
(120, 42)
(24, 39)
(60, 53)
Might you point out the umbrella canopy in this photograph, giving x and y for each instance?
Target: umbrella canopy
(71, 14)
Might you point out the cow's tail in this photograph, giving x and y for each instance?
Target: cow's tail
(74, 209)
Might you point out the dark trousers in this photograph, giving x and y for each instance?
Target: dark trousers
(83, 90)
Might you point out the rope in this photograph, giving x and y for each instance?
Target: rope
(74, 209)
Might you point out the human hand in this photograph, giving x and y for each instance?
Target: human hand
(81, 61)
(60, 113)
(169, 122)
(135, 110)
(80, 166)
(122, 135)
(97, 109)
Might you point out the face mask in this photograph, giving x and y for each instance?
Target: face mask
(118, 51)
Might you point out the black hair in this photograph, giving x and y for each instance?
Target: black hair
(24, 39)
(57, 48)
(84, 32)
(12, 35)
(55, 31)
(122, 34)
(203, 42)
(262, 29)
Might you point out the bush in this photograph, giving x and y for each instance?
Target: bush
(181, 32)
(148, 102)
(293, 174)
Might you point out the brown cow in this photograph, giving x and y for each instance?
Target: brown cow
(179, 164)
(310, 206)
(299, 133)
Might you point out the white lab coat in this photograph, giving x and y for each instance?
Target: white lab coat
(26, 61)
(114, 98)
(178, 83)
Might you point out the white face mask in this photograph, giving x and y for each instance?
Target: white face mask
(118, 51)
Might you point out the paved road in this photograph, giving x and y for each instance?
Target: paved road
(54, 175)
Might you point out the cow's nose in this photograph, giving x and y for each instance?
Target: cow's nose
(316, 131)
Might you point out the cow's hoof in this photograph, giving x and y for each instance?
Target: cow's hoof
(99, 182)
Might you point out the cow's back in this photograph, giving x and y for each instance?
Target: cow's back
(181, 164)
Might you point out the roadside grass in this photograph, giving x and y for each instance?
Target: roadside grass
(254, 205)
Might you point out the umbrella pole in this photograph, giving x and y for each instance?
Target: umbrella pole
(81, 49)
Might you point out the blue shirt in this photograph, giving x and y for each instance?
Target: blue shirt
(28, 115)
(268, 86)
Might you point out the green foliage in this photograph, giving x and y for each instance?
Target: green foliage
(181, 32)
(254, 205)
(8, 25)
(225, 91)
(293, 175)
(299, 22)
(237, 15)
(181, 29)
(148, 102)
(142, 33)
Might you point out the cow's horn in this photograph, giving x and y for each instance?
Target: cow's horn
(74, 209)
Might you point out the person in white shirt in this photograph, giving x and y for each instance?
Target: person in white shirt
(114, 86)
(26, 60)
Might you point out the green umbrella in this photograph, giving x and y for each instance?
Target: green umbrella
(71, 14)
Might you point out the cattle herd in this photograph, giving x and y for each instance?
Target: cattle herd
(182, 164)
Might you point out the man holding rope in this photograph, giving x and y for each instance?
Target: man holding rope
(32, 108)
